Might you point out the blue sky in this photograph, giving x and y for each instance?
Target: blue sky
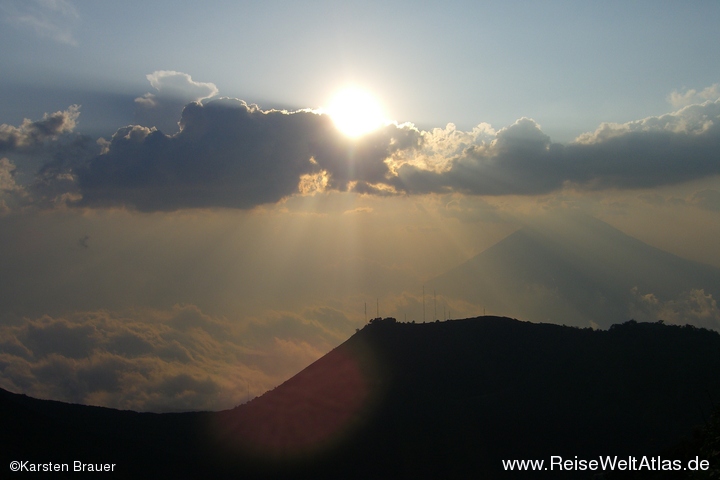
(567, 65)
(180, 219)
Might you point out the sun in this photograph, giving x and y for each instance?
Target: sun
(355, 112)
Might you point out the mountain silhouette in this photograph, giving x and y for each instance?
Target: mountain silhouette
(402, 400)
(573, 269)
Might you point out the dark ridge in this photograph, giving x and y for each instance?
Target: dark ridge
(397, 400)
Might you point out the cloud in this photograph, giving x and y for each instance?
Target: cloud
(691, 96)
(516, 161)
(31, 134)
(694, 307)
(522, 160)
(230, 154)
(234, 155)
(7, 176)
(161, 360)
(41, 156)
(440, 145)
(54, 19)
(12, 194)
(174, 91)
(177, 84)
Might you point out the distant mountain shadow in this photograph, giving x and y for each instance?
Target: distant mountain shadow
(437, 400)
(573, 269)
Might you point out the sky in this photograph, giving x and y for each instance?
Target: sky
(184, 221)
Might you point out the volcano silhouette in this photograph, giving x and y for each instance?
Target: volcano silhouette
(573, 269)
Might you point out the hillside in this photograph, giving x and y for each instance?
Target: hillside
(437, 400)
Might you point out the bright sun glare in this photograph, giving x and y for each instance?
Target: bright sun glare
(355, 112)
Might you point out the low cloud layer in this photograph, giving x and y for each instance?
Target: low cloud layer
(161, 360)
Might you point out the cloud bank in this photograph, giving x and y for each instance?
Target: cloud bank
(161, 360)
(231, 154)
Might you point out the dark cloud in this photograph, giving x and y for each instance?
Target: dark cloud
(44, 153)
(53, 183)
(516, 162)
(645, 158)
(230, 154)
(60, 337)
